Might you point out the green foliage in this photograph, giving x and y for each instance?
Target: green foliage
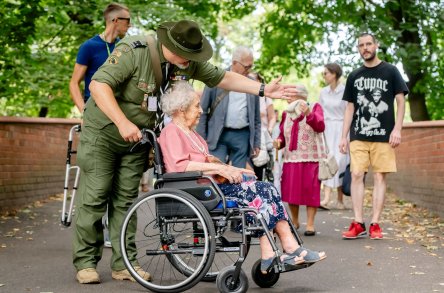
(410, 32)
(40, 40)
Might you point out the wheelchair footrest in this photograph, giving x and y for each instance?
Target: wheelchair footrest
(289, 268)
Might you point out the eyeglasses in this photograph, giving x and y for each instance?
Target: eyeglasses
(124, 18)
(244, 66)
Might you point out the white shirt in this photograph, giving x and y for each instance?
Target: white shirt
(332, 103)
(237, 114)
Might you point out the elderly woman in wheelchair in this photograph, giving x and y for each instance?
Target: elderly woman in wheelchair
(185, 151)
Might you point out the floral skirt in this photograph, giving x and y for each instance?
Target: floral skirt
(262, 196)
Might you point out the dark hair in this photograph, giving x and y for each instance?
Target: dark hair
(334, 68)
(113, 7)
(368, 34)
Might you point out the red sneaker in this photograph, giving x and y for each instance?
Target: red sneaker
(375, 231)
(356, 230)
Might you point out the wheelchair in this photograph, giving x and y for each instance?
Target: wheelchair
(181, 233)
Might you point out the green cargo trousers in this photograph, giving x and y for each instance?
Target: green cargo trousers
(110, 174)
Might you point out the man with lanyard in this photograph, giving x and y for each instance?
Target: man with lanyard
(125, 98)
(93, 53)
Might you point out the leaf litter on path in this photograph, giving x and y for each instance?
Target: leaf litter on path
(411, 224)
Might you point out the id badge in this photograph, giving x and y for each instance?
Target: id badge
(152, 103)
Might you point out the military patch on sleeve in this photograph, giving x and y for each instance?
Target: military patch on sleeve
(116, 53)
(113, 59)
(126, 49)
(137, 44)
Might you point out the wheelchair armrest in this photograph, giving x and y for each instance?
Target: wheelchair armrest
(174, 176)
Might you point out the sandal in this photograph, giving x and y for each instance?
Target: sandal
(308, 255)
(266, 264)
(287, 259)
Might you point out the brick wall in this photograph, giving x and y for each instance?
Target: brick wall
(32, 159)
(420, 162)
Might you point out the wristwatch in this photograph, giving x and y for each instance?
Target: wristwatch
(262, 90)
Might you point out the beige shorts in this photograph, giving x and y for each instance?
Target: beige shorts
(380, 155)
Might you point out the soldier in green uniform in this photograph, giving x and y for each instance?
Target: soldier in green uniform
(123, 101)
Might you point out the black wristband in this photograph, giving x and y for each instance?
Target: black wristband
(262, 90)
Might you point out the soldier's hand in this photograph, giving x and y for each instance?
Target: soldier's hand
(129, 131)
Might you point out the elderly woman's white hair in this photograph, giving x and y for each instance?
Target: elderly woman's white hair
(301, 91)
(179, 96)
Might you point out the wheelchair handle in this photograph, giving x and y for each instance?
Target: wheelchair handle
(150, 136)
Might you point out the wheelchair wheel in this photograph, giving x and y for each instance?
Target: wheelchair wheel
(169, 234)
(225, 278)
(264, 280)
(227, 253)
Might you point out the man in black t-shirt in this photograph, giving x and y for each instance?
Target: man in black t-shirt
(374, 129)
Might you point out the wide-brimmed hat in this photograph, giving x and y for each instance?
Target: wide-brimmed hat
(185, 39)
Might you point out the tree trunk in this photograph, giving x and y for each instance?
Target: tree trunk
(418, 108)
(413, 61)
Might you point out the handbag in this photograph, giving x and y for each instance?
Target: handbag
(261, 159)
(327, 164)
(266, 144)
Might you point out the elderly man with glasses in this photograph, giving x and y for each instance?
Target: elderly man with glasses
(231, 122)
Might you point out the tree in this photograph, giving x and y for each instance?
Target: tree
(41, 39)
(410, 32)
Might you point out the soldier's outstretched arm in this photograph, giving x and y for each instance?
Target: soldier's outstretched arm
(236, 82)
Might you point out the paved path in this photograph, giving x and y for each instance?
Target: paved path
(35, 256)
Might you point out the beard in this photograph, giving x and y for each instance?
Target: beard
(369, 58)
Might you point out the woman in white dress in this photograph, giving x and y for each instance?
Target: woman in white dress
(334, 107)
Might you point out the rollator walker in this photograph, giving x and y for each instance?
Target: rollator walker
(67, 213)
(181, 233)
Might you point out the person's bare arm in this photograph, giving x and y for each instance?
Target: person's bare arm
(395, 135)
(103, 95)
(348, 116)
(78, 75)
(239, 83)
